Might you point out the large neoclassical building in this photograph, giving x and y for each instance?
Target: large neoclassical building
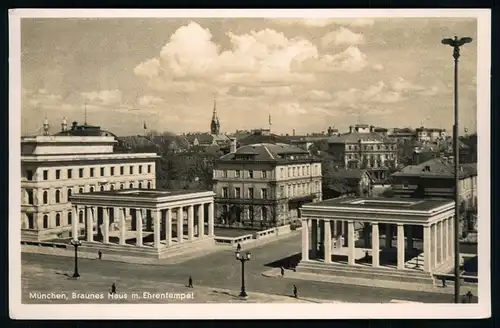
(399, 240)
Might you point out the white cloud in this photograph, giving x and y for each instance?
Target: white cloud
(272, 91)
(44, 100)
(349, 60)
(400, 84)
(103, 97)
(342, 36)
(150, 101)
(150, 68)
(317, 95)
(378, 67)
(322, 22)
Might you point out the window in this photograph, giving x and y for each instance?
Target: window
(102, 171)
(70, 173)
(224, 173)
(31, 222)
(264, 213)
(264, 174)
(149, 168)
(289, 190)
(70, 218)
(80, 173)
(405, 184)
(131, 186)
(91, 189)
(149, 184)
(80, 217)
(140, 185)
(308, 170)
(29, 175)
(140, 169)
(45, 221)
(58, 196)
(250, 213)
(131, 169)
(264, 193)
(58, 174)
(224, 192)
(58, 220)
(102, 188)
(294, 172)
(45, 197)
(112, 187)
(70, 192)
(45, 174)
(238, 173)
(282, 172)
(289, 172)
(122, 170)
(282, 191)
(91, 172)
(250, 174)
(250, 193)
(30, 196)
(80, 190)
(112, 169)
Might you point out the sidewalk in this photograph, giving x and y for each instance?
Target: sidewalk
(290, 274)
(37, 280)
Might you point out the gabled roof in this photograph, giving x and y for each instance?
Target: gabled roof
(267, 152)
(354, 137)
(438, 167)
(263, 138)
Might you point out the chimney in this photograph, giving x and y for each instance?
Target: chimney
(372, 128)
(64, 125)
(232, 148)
(294, 132)
(46, 127)
(350, 128)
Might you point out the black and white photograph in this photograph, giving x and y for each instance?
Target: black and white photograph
(323, 161)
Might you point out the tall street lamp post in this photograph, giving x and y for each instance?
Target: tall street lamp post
(456, 44)
(76, 243)
(243, 258)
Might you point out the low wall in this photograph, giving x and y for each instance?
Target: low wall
(265, 233)
(232, 240)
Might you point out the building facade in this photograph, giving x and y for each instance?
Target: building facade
(430, 134)
(363, 148)
(55, 167)
(264, 185)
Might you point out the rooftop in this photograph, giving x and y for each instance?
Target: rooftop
(405, 204)
(141, 193)
(354, 137)
(438, 167)
(268, 152)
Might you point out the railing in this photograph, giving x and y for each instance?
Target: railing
(232, 240)
(44, 244)
(265, 233)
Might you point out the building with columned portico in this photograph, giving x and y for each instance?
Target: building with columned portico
(406, 239)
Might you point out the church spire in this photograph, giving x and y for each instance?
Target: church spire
(214, 124)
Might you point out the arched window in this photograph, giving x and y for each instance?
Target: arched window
(122, 186)
(58, 220)
(149, 184)
(80, 190)
(91, 189)
(45, 221)
(264, 213)
(70, 192)
(80, 217)
(70, 218)
(102, 188)
(131, 186)
(140, 185)
(112, 187)
(58, 196)
(45, 197)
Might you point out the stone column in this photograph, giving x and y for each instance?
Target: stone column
(211, 219)
(321, 237)
(442, 252)
(168, 226)
(345, 233)
(180, 225)
(446, 242)
(388, 235)
(327, 241)
(305, 239)
(452, 234)
(190, 222)
(435, 244)
(427, 249)
(90, 224)
(375, 245)
(333, 224)
(409, 238)
(105, 225)
(351, 245)
(201, 221)
(401, 246)
(138, 226)
(314, 239)
(75, 222)
(156, 227)
(122, 213)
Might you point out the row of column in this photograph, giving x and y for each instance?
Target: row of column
(438, 242)
(121, 213)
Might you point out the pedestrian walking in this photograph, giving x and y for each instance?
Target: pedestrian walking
(190, 282)
(282, 271)
(100, 255)
(443, 279)
(295, 293)
(469, 296)
(238, 247)
(113, 288)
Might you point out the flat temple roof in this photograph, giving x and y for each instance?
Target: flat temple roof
(405, 204)
(143, 193)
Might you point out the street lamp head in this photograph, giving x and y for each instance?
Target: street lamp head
(238, 255)
(456, 42)
(248, 255)
(448, 41)
(75, 242)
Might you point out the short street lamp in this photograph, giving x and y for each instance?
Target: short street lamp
(243, 258)
(76, 243)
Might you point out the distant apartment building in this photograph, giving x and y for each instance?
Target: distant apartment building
(363, 148)
(430, 134)
(263, 185)
(77, 160)
(403, 135)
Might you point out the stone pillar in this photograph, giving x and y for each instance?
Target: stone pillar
(123, 226)
(327, 241)
(74, 222)
(333, 224)
(388, 235)
(105, 225)
(138, 226)
(345, 233)
(90, 224)
(314, 238)
(201, 221)
(375, 245)
(180, 225)
(427, 249)
(156, 227)
(190, 222)
(409, 238)
(211, 219)
(435, 244)
(452, 239)
(321, 237)
(168, 226)
(305, 239)
(351, 245)
(442, 254)
(401, 246)
(445, 240)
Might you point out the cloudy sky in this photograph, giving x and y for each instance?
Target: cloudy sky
(308, 74)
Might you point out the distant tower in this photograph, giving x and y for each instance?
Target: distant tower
(270, 122)
(64, 125)
(46, 126)
(145, 129)
(214, 125)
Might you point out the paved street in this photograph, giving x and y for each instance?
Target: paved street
(221, 270)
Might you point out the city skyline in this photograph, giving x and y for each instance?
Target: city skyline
(316, 73)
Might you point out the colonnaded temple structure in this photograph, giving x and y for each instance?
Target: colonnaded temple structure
(155, 223)
(400, 240)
